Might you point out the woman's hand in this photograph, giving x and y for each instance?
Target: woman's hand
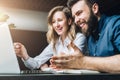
(44, 66)
(20, 50)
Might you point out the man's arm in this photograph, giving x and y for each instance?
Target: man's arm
(109, 64)
(104, 64)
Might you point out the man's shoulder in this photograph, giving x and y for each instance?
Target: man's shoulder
(112, 20)
(113, 17)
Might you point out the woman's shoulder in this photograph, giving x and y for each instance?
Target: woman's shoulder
(80, 35)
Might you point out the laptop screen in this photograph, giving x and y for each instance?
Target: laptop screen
(8, 59)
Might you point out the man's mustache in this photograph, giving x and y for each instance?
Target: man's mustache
(79, 22)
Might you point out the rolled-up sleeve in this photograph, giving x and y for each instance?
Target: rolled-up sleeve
(116, 37)
(36, 62)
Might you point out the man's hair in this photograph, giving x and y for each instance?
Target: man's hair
(70, 3)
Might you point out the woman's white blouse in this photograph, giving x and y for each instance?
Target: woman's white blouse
(47, 53)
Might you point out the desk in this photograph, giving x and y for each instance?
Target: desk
(102, 76)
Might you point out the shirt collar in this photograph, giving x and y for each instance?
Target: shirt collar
(101, 22)
(66, 41)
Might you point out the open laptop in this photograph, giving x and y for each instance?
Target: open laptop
(8, 58)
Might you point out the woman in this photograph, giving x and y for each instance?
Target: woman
(61, 32)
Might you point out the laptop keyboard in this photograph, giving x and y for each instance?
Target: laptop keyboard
(34, 72)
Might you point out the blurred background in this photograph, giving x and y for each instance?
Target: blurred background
(27, 14)
(32, 14)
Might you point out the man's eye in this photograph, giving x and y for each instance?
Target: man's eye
(78, 13)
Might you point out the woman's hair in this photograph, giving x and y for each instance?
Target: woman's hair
(52, 36)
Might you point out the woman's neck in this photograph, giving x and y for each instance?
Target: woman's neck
(63, 37)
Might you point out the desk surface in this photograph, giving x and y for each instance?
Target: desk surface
(101, 76)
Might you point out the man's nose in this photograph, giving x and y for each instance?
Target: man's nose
(76, 20)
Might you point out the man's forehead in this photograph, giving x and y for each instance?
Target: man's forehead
(77, 6)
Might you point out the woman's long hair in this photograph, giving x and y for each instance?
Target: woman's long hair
(52, 36)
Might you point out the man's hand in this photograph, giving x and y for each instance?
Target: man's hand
(68, 61)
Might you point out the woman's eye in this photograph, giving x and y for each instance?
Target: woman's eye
(60, 20)
(53, 21)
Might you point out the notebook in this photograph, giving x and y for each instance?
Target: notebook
(8, 58)
(70, 71)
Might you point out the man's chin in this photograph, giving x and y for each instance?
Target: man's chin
(85, 32)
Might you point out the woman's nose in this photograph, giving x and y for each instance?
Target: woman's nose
(57, 24)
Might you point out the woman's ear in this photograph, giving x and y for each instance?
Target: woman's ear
(69, 21)
(95, 8)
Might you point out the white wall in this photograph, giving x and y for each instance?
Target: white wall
(24, 19)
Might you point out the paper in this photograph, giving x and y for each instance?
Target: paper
(70, 71)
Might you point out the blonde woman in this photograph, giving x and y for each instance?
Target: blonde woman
(61, 32)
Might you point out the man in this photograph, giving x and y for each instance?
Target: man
(103, 34)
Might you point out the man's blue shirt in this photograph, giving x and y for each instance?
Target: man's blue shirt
(108, 43)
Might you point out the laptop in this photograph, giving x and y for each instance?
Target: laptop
(8, 58)
(9, 62)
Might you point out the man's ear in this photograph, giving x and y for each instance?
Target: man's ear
(95, 8)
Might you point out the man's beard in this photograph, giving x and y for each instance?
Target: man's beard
(92, 26)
